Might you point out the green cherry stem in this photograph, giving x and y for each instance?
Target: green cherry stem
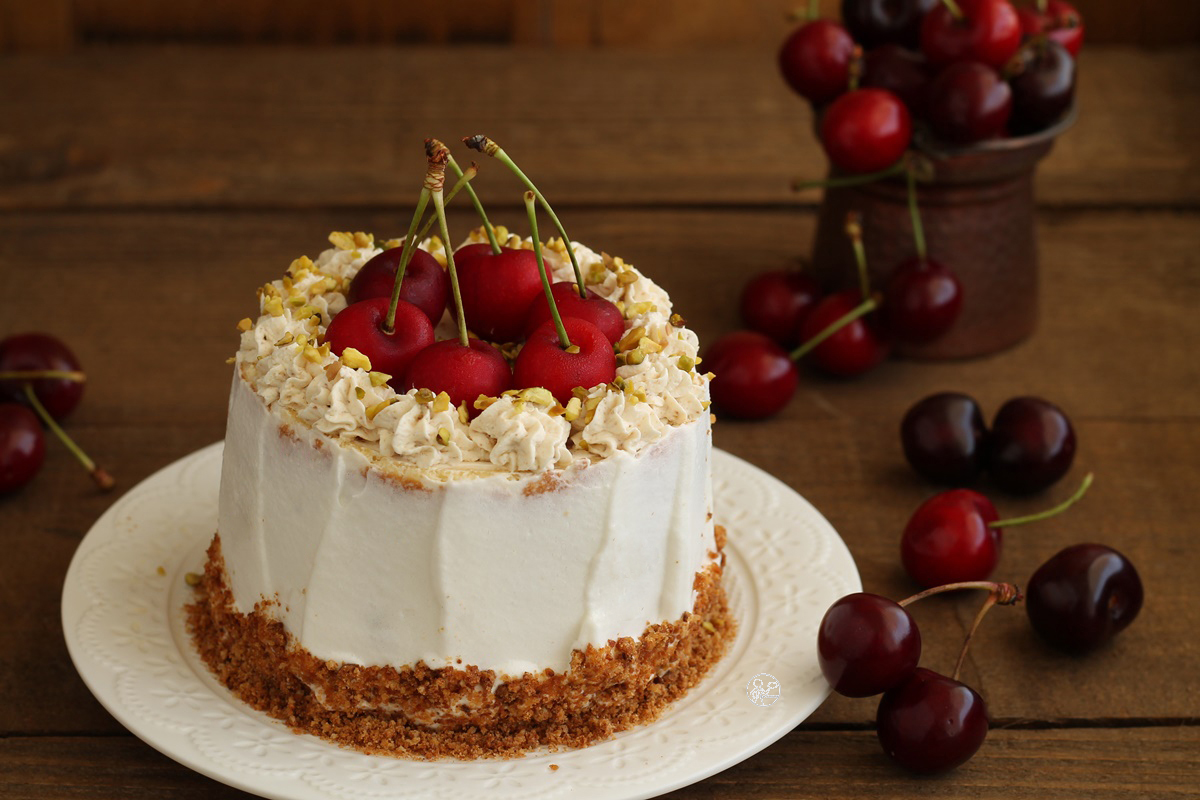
(851, 180)
(856, 68)
(854, 232)
(1050, 512)
(439, 208)
(487, 226)
(915, 212)
(39, 374)
(485, 145)
(953, 8)
(99, 475)
(1041, 6)
(563, 339)
(464, 178)
(861, 310)
(435, 175)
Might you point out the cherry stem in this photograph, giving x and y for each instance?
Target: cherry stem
(861, 310)
(856, 68)
(854, 231)
(1050, 512)
(1041, 6)
(99, 475)
(851, 180)
(954, 9)
(434, 175)
(537, 249)
(439, 208)
(995, 597)
(915, 212)
(37, 374)
(485, 145)
(1006, 593)
(487, 226)
(463, 179)
(814, 9)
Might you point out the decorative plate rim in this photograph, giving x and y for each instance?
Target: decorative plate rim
(125, 631)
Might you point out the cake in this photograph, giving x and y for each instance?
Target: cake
(401, 576)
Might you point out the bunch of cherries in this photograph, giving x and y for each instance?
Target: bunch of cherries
(846, 333)
(41, 383)
(399, 295)
(965, 70)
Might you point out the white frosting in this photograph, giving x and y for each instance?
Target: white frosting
(508, 572)
(290, 371)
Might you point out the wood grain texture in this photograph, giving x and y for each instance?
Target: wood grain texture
(1146, 763)
(280, 128)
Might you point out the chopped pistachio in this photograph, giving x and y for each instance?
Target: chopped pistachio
(304, 312)
(556, 410)
(580, 392)
(635, 356)
(464, 416)
(443, 436)
(537, 394)
(273, 306)
(245, 324)
(483, 401)
(192, 578)
(686, 363)
(705, 404)
(630, 340)
(441, 403)
(301, 264)
(678, 321)
(231, 360)
(313, 354)
(379, 378)
(297, 300)
(287, 338)
(644, 307)
(425, 396)
(573, 408)
(380, 406)
(627, 277)
(360, 392)
(648, 345)
(354, 359)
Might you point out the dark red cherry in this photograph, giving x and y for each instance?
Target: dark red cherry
(944, 438)
(595, 309)
(425, 283)
(989, 33)
(922, 301)
(753, 376)
(497, 289)
(40, 351)
(1083, 596)
(22, 446)
(931, 723)
(1043, 87)
(968, 103)
(776, 303)
(854, 349)
(880, 22)
(866, 130)
(1060, 23)
(949, 539)
(1031, 445)
(543, 362)
(464, 373)
(867, 644)
(361, 326)
(902, 72)
(815, 60)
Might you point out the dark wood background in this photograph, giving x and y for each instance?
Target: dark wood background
(147, 188)
(663, 24)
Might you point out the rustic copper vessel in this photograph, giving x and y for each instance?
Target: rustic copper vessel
(978, 215)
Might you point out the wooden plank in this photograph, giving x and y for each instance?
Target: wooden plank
(1144, 763)
(267, 128)
(149, 302)
(46, 26)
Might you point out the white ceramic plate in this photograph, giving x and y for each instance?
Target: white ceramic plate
(124, 626)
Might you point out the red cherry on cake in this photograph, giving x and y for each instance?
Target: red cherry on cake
(866, 130)
(594, 308)
(854, 349)
(931, 723)
(776, 303)
(464, 373)
(362, 326)
(969, 102)
(1059, 21)
(37, 352)
(815, 60)
(22, 446)
(986, 31)
(753, 376)
(543, 361)
(425, 284)
(497, 289)
(922, 301)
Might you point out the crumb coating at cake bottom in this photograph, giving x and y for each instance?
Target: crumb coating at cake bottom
(414, 711)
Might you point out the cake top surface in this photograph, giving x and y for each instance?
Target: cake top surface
(284, 359)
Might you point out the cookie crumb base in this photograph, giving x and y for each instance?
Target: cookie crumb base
(424, 713)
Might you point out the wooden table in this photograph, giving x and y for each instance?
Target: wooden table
(147, 191)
